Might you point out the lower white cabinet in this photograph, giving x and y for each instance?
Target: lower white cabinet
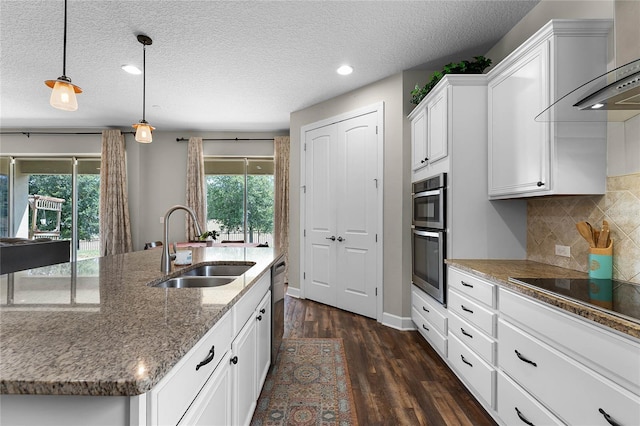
(213, 406)
(430, 318)
(516, 407)
(251, 357)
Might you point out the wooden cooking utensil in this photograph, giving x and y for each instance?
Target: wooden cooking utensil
(603, 238)
(585, 229)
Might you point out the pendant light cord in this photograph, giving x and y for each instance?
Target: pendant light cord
(144, 80)
(64, 44)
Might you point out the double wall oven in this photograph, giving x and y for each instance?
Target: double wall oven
(429, 236)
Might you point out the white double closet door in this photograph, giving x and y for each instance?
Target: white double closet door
(341, 215)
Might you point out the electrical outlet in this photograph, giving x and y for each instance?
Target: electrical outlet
(563, 251)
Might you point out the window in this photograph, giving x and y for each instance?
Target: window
(240, 198)
(54, 180)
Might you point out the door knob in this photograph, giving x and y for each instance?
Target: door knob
(332, 238)
(341, 239)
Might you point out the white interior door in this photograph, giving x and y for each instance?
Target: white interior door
(341, 205)
(320, 248)
(357, 215)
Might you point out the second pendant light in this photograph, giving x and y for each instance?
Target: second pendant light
(143, 128)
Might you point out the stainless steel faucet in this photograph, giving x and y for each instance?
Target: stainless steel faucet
(165, 263)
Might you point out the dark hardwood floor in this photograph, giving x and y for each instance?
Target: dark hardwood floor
(396, 377)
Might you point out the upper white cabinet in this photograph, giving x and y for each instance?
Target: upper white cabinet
(429, 128)
(530, 158)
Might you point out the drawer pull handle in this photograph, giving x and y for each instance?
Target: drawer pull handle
(234, 360)
(465, 333)
(425, 309)
(425, 327)
(466, 309)
(208, 359)
(466, 284)
(523, 418)
(263, 310)
(522, 358)
(465, 361)
(608, 418)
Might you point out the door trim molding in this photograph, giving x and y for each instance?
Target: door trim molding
(378, 108)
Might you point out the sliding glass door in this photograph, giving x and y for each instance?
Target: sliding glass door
(240, 199)
(51, 197)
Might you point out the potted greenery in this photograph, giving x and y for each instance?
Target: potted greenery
(477, 66)
(209, 237)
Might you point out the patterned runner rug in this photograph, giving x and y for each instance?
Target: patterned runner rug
(309, 385)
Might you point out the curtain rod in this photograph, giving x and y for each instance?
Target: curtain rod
(226, 139)
(28, 134)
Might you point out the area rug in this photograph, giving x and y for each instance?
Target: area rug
(309, 385)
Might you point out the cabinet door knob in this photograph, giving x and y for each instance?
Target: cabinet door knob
(332, 238)
(540, 183)
(234, 360)
(340, 239)
(263, 310)
(208, 359)
(259, 317)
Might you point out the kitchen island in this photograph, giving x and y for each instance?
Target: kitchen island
(97, 328)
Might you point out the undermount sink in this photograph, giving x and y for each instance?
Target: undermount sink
(195, 282)
(217, 270)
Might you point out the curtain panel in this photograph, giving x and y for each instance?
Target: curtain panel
(281, 208)
(196, 188)
(115, 227)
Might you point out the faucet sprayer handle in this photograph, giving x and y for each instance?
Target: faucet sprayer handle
(175, 248)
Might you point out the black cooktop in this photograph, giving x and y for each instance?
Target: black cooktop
(616, 297)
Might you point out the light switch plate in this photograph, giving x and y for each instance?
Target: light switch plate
(563, 250)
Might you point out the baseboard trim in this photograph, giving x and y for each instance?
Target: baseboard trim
(293, 292)
(399, 323)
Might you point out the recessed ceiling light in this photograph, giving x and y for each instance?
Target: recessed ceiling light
(131, 69)
(597, 106)
(344, 70)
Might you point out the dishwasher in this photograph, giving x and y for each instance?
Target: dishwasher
(277, 307)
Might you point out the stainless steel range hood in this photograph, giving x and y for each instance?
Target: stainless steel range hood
(612, 96)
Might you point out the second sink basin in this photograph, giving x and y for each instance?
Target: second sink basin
(194, 282)
(217, 270)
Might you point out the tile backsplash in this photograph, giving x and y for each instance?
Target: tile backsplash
(552, 220)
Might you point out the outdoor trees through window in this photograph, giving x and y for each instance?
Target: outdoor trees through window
(240, 198)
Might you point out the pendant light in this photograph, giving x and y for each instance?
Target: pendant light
(63, 95)
(144, 129)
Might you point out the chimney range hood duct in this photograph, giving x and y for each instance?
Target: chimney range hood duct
(612, 96)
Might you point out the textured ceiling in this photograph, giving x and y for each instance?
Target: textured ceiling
(225, 65)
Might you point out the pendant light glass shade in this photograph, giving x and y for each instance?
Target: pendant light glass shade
(63, 95)
(143, 128)
(143, 132)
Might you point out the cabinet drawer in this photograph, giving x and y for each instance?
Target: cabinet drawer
(429, 332)
(516, 407)
(473, 338)
(611, 355)
(433, 312)
(574, 393)
(176, 391)
(243, 310)
(474, 371)
(472, 312)
(474, 287)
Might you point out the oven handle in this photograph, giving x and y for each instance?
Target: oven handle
(426, 233)
(428, 193)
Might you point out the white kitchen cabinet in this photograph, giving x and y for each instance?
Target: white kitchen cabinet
(429, 128)
(430, 318)
(251, 357)
(213, 406)
(472, 333)
(530, 158)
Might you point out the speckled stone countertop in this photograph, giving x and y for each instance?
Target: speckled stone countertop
(96, 328)
(499, 271)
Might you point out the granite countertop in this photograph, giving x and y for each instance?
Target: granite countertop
(500, 270)
(95, 327)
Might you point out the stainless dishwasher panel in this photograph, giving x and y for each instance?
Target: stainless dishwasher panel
(277, 307)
